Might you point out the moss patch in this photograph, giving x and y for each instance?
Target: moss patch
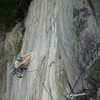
(19, 46)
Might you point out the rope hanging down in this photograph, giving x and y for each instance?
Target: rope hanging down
(42, 82)
(47, 90)
(84, 67)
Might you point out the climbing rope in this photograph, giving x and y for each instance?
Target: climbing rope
(46, 90)
(32, 70)
(42, 82)
(84, 67)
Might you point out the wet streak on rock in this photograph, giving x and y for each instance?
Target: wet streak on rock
(80, 20)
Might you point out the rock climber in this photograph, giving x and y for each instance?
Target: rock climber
(22, 60)
(21, 64)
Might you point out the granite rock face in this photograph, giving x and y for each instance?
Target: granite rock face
(61, 34)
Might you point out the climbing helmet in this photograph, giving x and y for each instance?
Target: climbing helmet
(19, 58)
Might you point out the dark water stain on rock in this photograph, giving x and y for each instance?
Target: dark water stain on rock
(87, 49)
(76, 12)
(93, 74)
(80, 19)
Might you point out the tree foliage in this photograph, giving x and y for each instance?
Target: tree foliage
(12, 11)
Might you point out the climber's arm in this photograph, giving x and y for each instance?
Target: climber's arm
(23, 56)
(21, 63)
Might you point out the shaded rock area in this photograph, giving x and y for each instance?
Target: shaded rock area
(11, 12)
(95, 10)
(64, 38)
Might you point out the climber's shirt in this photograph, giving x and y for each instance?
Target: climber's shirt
(17, 65)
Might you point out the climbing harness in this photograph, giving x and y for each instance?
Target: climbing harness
(18, 71)
(84, 67)
(13, 70)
